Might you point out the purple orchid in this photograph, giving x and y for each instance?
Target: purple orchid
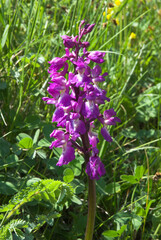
(77, 96)
(95, 168)
(63, 141)
(96, 56)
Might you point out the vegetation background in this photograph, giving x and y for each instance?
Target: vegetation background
(40, 200)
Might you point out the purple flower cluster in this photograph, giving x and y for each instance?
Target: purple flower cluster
(76, 97)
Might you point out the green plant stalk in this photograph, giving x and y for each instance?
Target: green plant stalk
(91, 193)
(91, 209)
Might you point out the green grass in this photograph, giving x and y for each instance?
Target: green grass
(128, 196)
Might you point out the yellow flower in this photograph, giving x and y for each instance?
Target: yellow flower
(117, 2)
(104, 14)
(109, 10)
(108, 16)
(117, 21)
(132, 35)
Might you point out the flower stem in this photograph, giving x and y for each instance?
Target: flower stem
(91, 209)
(91, 191)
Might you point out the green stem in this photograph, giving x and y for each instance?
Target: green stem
(91, 191)
(91, 209)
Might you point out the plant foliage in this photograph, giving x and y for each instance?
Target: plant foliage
(33, 205)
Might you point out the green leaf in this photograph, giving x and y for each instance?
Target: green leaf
(68, 175)
(136, 222)
(41, 59)
(78, 186)
(10, 161)
(44, 143)
(48, 128)
(4, 148)
(129, 178)
(129, 132)
(26, 143)
(76, 165)
(139, 171)
(12, 230)
(19, 234)
(16, 150)
(123, 217)
(141, 212)
(9, 235)
(32, 122)
(20, 136)
(127, 217)
(112, 188)
(50, 163)
(100, 186)
(4, 36)
(41, 153)
(32, 181)
(123, 228)
(54, 193)
(76, 200)
(7, 188)
(148, 206)
(111, 233)
(36, 136)
(48, 217)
